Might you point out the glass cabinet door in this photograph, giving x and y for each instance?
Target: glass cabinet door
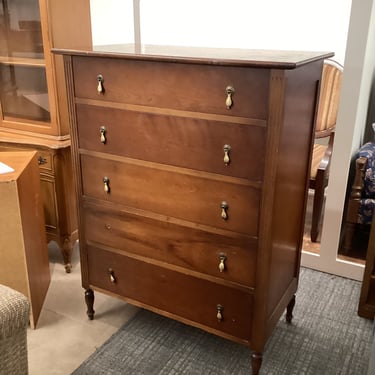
(23, 83)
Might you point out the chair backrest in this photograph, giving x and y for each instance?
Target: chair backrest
(329, 97)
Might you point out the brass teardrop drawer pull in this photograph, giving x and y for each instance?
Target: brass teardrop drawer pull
(219, 312)
(111, 274)
(229, 101)
(100, 87)
(106, 185)
(226, 149)
(222, 259)
(103, 132)
(224, 207)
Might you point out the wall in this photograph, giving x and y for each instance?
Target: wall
(353, 116)
(319, 25)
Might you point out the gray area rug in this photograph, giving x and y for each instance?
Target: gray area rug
(326, 337)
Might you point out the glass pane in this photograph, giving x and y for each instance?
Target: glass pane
(20, 29)
(23, 92)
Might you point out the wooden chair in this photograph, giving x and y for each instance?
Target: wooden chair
(325, 128)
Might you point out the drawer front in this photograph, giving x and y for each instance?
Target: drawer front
(189, 197)
(183, 295)
(190, 87)
(230, 258)
(44, 157)
(194, 143)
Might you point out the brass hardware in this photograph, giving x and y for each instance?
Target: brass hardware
(226, 149)
(42, 160)
(219, 314)
(103, 131)
(112, 277)
(100, 87)
(106, 184)
(224, 206)
(222, 258)
(229, 101)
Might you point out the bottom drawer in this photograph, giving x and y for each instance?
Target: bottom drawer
(182, 295)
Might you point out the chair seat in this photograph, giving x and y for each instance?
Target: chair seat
(318, 153)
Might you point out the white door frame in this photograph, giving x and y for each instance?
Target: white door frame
(359, 72)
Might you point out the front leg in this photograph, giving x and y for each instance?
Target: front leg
(289, 309)
(89, 299)
(66, 247)
(256, 362)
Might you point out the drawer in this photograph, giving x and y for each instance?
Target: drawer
(45, 161)
(172, 192)
(189, 87)
(44, 157)
(175, 293)
(186, 247)
(194, 143)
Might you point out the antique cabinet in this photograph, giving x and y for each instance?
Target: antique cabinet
(33, 106)
(23, 248)
(191, 168)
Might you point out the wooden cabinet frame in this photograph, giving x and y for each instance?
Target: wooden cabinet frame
(63, 24)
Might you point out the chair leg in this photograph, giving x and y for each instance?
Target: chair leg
(348, 237)
(317, 207)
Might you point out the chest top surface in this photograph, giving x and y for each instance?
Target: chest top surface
(202, 55)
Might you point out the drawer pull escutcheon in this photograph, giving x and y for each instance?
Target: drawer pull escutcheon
(100, 87)
(222, 258)
(103, 138)
(224, 206)
(112, 277)
(106, 184)
(219, 314)
(226, 148)
(229, 101)
(42, 160)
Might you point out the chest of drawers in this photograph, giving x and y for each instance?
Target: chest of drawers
(191, 168)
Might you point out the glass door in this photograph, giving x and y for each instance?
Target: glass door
(23, 83)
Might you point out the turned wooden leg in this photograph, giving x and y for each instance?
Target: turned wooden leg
(66, 250)
(316, 214)
(256, 362)
(348, 237)
(289, 309)
(89, 299)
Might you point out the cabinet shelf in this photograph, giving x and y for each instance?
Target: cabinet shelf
(23, 61)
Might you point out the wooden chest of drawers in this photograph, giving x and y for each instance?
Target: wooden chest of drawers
(192, 178)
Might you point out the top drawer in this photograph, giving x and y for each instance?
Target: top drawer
(190, 87)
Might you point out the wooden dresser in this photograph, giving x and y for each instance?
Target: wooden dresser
(191, 168)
